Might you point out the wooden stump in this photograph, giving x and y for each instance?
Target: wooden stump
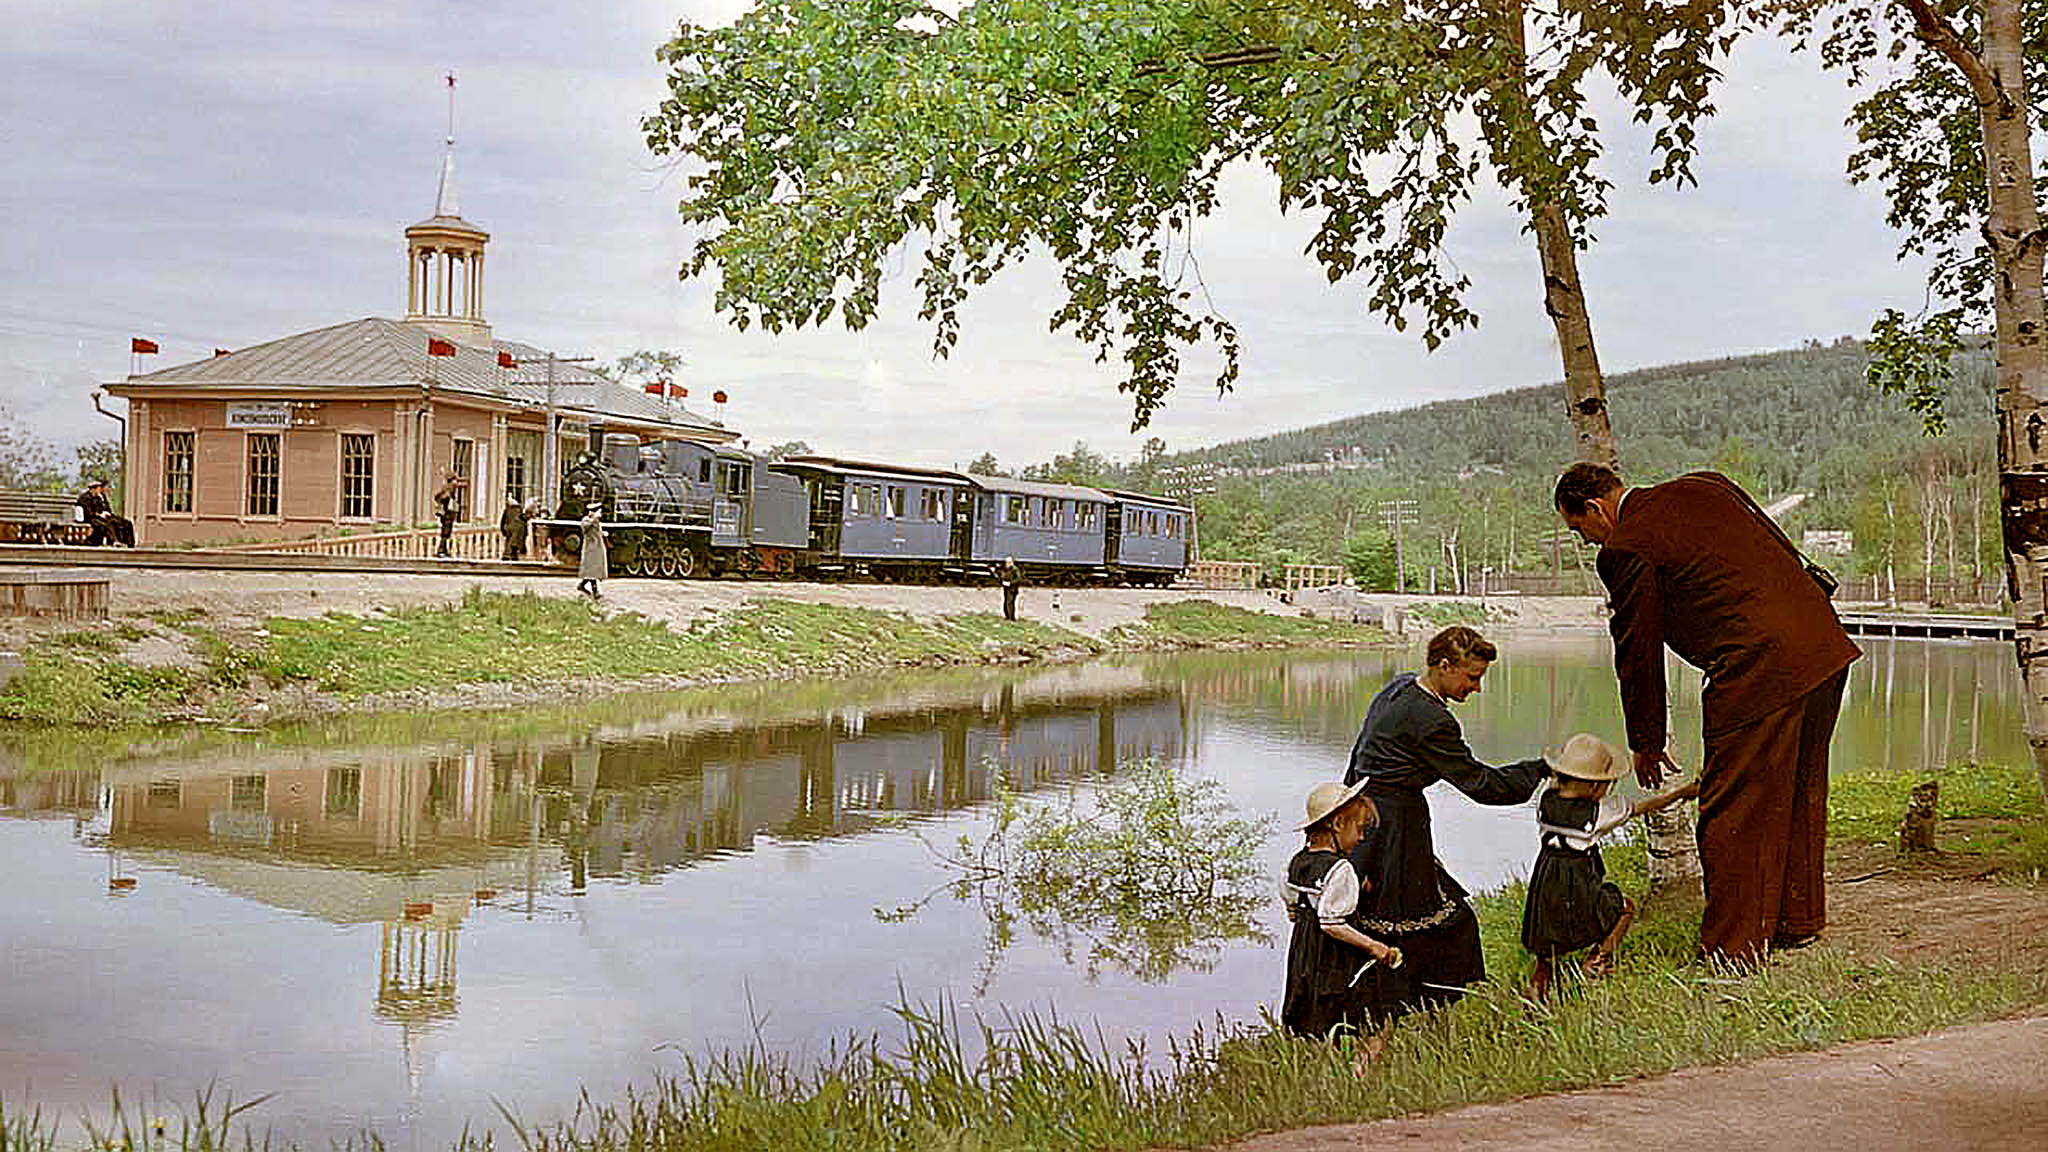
(1916, 831)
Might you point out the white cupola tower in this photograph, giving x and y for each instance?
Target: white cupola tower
(445, 260)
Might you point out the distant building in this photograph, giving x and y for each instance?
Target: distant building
(356, 424)
(1828, 542)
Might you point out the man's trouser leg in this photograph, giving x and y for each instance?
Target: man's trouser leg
(1763, 826)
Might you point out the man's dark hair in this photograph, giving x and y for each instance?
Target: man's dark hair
(1584, 482)
(1458, 644)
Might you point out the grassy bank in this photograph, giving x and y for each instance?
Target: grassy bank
(535, 642)
(1201, 624)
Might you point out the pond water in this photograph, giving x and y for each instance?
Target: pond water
(390, 923)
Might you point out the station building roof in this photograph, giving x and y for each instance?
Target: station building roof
(376, 352)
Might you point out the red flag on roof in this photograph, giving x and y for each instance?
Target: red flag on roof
(652, 387)
(439, 347)
(505, 360)
(138, 345)
(678, 390)
(220, 351)
(718, 397)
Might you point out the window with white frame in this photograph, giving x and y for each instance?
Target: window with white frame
(1015, 509)
(178, 471)
(932, 503)
(895, 502)
(358, 476)
(266, 471)
(515, 478)
(463, 464)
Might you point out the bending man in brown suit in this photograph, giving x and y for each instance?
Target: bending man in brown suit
(1696, 565)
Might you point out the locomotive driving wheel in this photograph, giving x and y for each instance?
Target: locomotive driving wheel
(686, 561)
(668, 562)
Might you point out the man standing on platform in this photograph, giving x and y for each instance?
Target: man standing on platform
(448, 505)
(1696, 565)
(512, 525)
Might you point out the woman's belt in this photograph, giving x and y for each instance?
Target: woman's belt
(1397, 795)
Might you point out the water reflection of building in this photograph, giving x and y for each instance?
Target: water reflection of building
(660, 801)
(356, 836)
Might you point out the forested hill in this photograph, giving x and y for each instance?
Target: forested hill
(1481, 470)
(1780, 415)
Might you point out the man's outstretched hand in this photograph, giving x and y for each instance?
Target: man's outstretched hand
(1650, 768)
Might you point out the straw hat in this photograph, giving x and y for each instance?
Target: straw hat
(1325, 799)
(1585, 757)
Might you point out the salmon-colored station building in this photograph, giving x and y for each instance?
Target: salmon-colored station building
(354, 426)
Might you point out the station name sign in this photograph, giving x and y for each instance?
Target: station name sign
(259, 414)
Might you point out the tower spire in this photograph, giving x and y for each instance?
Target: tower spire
(445, 201)
(444, 256)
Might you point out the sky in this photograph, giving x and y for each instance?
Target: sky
(221, 174)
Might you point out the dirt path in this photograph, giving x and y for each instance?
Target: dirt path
(1979, 1087)
(243, 599)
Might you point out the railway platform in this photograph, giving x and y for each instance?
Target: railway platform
(46, 556)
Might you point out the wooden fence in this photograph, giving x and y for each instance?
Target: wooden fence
(1312, 576)
(1854, 590)
(1921, 590)
(1220, 574)
(469, 542)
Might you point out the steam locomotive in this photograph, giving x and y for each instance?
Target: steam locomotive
(681, 508)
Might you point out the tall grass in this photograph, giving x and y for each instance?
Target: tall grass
(1027, 1081)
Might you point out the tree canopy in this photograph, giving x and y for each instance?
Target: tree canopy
(819, 139)
(642, 366)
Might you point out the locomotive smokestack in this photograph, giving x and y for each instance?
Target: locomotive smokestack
(597, 441)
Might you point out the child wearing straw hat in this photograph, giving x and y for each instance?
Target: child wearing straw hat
(1326, 956)
(1571, 903)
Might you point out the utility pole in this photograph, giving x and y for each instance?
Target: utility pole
(550, 452)
(1184, 482)
(1397, 515)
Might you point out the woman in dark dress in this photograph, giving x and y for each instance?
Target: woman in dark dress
(1409, 741)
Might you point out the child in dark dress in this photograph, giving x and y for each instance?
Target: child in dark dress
(1326, 955)
(1571, 903)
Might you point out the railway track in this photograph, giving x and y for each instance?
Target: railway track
(214, 560)
(218, 560)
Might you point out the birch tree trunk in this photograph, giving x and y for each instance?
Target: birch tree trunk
(1673, 844)
(2012, 232)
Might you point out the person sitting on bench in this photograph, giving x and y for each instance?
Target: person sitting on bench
(107, 528)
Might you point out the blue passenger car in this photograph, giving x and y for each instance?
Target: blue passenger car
(888, 520)
(1052, 531)
(1148, 538)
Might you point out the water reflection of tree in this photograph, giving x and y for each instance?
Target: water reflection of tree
(1151, 874)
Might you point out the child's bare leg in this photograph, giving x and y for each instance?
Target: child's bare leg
(1601, 962)
(1370, 1045)
(1539, 983)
